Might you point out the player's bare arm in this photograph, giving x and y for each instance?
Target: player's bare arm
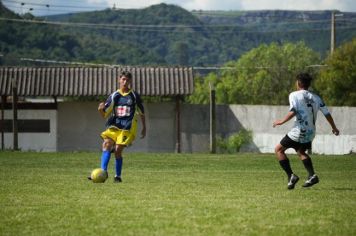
(289, 116)
(143, 121)
(330, 119)
(101, 108)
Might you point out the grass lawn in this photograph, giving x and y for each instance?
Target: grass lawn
(174, 194)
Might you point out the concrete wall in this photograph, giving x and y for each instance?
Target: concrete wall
(259, 119)
(80, 127)
(34, 141)
(76, 126)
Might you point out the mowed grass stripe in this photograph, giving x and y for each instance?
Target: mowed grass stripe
(174, 194)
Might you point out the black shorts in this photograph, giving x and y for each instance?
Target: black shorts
(287, 142)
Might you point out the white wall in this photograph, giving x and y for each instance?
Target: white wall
(76, 126)
(34, 141)
(80, 127)
(259, 119)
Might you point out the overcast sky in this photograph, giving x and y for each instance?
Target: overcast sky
(46, 7)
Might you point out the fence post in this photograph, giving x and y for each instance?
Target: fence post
(178, 131)
(14, 119)
(212, 120)
(3, 101)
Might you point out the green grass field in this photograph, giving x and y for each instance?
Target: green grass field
(174, 194)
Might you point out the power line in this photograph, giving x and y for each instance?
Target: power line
(65, 62)
(285, 22)
(194, 67)
(47, 9)
(162, 28)
(30, 9)
(49, 5)
(216, 13)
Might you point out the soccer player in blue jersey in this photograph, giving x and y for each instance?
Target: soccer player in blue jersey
(304, 106)
(121, 109)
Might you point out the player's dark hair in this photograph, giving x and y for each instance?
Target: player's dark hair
(304, 80)
(127, 74)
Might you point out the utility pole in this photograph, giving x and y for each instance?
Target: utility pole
(333, 31)
(332, 40)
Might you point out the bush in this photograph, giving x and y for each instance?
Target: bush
(234, 143)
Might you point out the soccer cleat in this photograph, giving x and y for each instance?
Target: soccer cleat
(89, 178)
(292, 181)
(311, 181)
(117, 179)
(107, 175)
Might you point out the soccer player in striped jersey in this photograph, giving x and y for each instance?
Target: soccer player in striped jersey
(304, 106)
(121, 110)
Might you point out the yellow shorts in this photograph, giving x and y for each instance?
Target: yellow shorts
(119, 136)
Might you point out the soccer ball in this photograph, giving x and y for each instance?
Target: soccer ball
(99, 175)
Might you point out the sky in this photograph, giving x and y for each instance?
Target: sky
(50, 7)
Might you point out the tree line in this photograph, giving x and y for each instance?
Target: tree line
(160, 35)
(261, 59)
(266, 75)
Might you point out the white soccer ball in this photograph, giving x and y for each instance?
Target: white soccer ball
(99, 175)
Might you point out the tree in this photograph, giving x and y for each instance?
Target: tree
(202, 88)
(181, 51)
(336, 83)
(264, 75)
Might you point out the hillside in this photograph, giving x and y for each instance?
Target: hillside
(164, 35)
(256, 27)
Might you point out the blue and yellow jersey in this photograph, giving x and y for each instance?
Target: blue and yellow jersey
(121, 109)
